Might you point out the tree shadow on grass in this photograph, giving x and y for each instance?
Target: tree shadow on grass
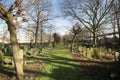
(68, 73)
(61, 73)
(6, 71)
(83, 71)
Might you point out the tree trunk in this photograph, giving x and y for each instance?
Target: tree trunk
(41, 38)
(94, 38)
(16, 54)
(118, 25)
(36, 34)
(72, 44)
(119, 35)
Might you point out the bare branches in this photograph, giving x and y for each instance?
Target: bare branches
(76, 28)
(2, 9)
(29, 30)
(11, 14)
(92, 14)
(21, 21)
(39, 14)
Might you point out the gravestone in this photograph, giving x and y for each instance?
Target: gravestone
(25, 49)
(8, 61)
(34, 51)
(117, 55)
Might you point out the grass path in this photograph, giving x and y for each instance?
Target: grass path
(59, 65)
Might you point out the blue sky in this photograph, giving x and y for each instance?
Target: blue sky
(61, 24)
(56, 7)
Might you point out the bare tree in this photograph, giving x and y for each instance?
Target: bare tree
(10, 13)
(57, 39)
(39, 14)
(30, 32)
(91, 13)
(76, 30)
(116, 19)
(113, 23)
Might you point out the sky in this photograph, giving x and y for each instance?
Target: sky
(60, 24)
(56, 7)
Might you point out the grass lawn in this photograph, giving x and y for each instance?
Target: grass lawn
(59, 65)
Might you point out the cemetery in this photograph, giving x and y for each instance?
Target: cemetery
(59, 39)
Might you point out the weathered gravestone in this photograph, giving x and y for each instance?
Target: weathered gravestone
(117, 55)
(34, 51)
(8, 60)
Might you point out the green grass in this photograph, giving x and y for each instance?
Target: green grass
(56, 64)
(59, 65)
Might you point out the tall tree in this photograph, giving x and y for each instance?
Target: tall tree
(90, 13)
(10, 14)
(116, 10)
(39, 14)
